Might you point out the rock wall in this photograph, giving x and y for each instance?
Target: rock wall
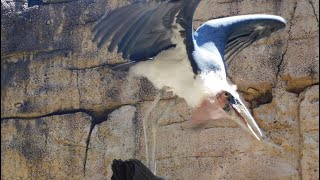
(66, 115)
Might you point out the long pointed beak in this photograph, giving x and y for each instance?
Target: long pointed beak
(245, 120)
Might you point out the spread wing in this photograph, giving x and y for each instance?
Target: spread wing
(230, 35)
(248, 30)
(143, 29)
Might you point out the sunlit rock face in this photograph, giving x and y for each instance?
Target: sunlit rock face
(66, 115)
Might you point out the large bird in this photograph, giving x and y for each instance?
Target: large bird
(158, 40)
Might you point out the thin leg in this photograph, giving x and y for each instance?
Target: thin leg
(154, 133)
(144, 122)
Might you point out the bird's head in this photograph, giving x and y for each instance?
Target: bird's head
(224, 103)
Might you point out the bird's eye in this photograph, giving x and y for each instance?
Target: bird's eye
(230, 98)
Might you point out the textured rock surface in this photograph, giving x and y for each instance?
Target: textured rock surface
(44, 148)
(56, 88)
(309, 132)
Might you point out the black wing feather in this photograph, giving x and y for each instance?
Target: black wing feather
(143, 29)
(247, 32)
(122, 30)
(106, 23)
(118, 28)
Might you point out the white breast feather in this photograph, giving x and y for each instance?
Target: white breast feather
(177, 74)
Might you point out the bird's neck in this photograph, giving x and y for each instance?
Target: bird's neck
(209, 48)
(211, 35)
(209, 59)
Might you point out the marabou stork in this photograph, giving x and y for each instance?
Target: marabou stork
(158, 40)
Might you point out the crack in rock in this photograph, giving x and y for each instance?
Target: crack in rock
(97, 118)
(60, 112)
(300, 136)
(87, 147)
(281, 65)
(32, 54)
(91, 67)
(314, 11)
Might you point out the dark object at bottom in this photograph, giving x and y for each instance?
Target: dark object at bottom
(131, 170)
